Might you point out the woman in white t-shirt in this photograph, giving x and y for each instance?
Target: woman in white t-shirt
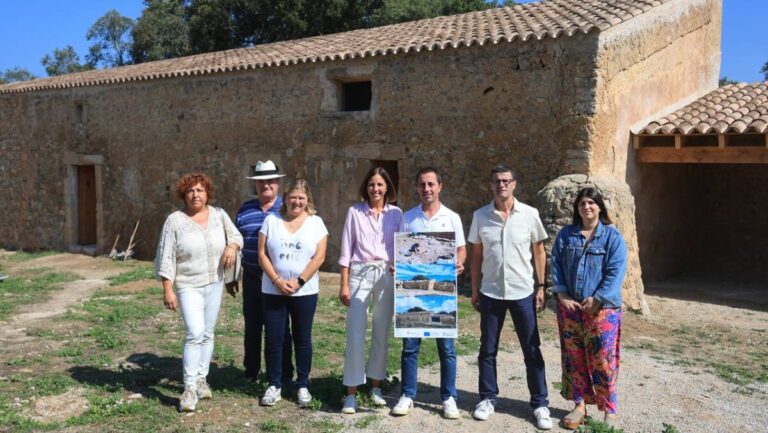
(291, 250)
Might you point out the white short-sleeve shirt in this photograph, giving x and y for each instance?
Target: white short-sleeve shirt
(290, 253)
(444, 220)
(507, 268)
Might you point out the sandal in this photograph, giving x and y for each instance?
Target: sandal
(611, 420)
(574, 419)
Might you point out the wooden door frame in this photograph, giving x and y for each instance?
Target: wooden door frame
(72, 161)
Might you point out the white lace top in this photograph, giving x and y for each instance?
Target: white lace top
(189, 255)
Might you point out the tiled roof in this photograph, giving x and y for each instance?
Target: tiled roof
(545, 19)
(735, 108)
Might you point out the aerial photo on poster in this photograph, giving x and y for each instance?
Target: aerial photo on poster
(425, 285)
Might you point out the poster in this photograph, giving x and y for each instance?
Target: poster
(425, 285)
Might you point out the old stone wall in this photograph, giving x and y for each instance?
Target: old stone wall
(462, 110)
(659, 60)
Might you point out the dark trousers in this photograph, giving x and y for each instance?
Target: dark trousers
(492, 314)
(277, 310)
(254, 324)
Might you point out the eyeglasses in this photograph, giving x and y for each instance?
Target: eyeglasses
(504, 182)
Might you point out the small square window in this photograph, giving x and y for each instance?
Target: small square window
(356, 96)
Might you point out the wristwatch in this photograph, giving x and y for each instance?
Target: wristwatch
(301, 281)
(544, 285)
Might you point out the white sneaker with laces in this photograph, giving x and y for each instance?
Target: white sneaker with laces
(304, 397)
(403, 406)
(188, 400)
(203, 390)
(543, 421)
(376, 397)
(350, 405)
(271, 396)
(450, 411)
(483, 410)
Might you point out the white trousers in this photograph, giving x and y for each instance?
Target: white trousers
(368, 282)
(199, 309)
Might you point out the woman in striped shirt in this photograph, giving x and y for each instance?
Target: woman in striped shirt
(366, 260)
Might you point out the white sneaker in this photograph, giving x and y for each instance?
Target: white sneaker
(188, 400)
(350, 405)
(203, 390)
(376, 398)
(543, 421)
(450, 411)
(483, 410)
(304, 397)
(271, 396)
(403, 406)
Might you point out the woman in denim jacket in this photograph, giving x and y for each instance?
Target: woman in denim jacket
(589, 259)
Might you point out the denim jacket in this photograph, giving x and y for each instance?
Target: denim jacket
(597, 272)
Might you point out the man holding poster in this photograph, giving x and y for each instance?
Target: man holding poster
(431, 216)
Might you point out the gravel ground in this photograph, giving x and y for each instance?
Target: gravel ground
(653, 390)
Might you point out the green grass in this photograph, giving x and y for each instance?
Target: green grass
(740, 375)
(366, 422)
(326, 425)
(23, 290)
(591, 425)
(276, 426)
(140, 271)
(23, 256)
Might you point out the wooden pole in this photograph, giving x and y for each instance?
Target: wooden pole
(130, 242)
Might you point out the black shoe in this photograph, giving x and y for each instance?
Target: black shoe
(251, 377)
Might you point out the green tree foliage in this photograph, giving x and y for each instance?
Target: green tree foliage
(162, 31)
(724, 81)
(396, 11)
(63, 61)
(111, 34)
(15, 74)
(765, 70)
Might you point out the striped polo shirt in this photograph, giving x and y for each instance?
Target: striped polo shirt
(249, 220)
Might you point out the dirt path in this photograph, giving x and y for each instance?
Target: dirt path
(93, 271)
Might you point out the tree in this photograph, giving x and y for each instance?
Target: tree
(724, 81)
(112, 35)
(14, 75)
(64, 61)
(162, 31)
(765, 70)
(396, 11)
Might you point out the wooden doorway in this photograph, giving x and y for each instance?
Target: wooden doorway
(86, 205)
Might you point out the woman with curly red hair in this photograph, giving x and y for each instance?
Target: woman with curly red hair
(196, 244)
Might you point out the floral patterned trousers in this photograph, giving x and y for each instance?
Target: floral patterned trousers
(590, 355)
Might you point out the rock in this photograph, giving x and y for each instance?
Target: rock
(58, 408)
(555, 204)
(135, 396)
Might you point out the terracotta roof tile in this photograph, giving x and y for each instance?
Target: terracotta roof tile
(545, 19)
(735, 108)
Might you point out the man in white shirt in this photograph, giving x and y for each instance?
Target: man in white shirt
(431, 216)
(505, 235)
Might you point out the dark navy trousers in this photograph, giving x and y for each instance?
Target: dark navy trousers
(492, 314)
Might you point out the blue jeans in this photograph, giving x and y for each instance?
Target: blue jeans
(254, 325)
(492, 314)
(409, 364)
(277, 310)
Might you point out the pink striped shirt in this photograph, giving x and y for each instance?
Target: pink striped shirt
(367, 239)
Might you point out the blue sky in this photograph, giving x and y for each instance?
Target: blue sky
(29, 29)
(434, 303)
(433, 271)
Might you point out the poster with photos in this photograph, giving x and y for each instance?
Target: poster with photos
(425, 285)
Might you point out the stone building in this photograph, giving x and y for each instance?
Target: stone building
(553, 88)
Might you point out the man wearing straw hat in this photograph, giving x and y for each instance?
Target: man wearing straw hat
(249, 219)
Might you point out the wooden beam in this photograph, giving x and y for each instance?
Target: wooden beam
(721, 141)
(703, 155)
(678, 142)
(636, 141)
(766, 141)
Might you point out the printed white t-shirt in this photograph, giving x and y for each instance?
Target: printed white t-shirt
(291, 252)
